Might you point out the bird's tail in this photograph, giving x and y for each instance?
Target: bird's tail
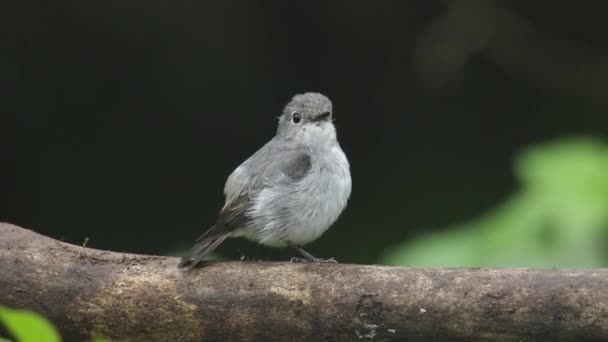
(205, 244)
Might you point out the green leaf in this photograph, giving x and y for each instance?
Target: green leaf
(27, 326)
(557, 217)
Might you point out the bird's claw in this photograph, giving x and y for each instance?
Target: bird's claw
(315, 260)
(298, 260)
(327, 261)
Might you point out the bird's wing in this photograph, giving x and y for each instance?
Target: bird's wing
(270, 165)
(267, 166)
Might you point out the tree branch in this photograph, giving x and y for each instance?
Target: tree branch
(491, 29)
(137, 297)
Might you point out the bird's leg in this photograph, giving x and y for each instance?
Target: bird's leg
(307, 256)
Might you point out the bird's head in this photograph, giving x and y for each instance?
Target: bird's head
(307, 116)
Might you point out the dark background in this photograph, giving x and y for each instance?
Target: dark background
(122, 119)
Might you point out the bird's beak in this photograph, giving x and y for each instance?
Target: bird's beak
(323, 117)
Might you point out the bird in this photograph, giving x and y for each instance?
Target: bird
(289, 192)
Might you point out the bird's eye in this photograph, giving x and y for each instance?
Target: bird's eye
(296, 118)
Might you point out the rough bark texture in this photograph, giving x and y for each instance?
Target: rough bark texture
(146, 298)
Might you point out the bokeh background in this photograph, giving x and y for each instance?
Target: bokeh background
(475, 128)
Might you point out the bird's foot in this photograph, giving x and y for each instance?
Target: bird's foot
(307, 257)
(314, 260)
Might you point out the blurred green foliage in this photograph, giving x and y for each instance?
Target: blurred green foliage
(558, 217)
(27, 326)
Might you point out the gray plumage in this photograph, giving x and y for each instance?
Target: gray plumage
(291, 190)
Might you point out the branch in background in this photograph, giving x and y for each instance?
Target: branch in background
(137, 297)
(490, 29)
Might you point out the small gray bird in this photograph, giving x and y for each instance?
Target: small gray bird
(291, 190)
